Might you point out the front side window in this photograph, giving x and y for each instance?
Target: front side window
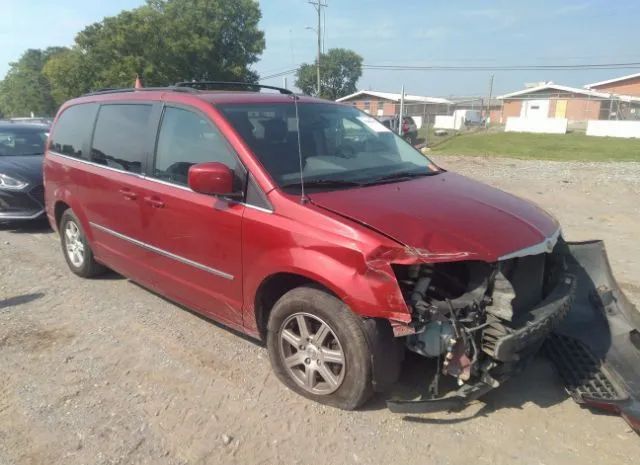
(120, 136)
(72, 131)
(339, 144)
(186, 138)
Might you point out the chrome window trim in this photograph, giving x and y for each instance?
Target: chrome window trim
(163, 252)
(546, 246)
(167, 183)
(91, 163)
(148, 178)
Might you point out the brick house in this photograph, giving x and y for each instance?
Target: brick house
(388, 104)
(625, 85)
(549, 100)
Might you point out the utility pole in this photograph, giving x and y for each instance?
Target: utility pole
(319, 5)
(486, 117)
(400, 120)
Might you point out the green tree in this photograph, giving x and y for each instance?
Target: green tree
(340, 70)
(25, 90)
(163, 42)
(173, 40)
(68, 75)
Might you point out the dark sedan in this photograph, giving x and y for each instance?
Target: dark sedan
(21, 155)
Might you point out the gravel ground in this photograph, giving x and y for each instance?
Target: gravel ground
(105, 372)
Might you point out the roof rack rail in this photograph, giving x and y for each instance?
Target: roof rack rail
(224, 85)
(142, 89)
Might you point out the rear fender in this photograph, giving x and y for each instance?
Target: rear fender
(62, 194)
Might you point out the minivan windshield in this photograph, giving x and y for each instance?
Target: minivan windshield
(341, 146)
(15, 142)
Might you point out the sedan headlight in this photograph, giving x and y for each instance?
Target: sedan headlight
(12, 184)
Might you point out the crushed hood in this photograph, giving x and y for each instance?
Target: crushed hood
(447, 215)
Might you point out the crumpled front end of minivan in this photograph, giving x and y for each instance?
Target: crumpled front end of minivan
(482, 321)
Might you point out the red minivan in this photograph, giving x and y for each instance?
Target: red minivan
(310, 225)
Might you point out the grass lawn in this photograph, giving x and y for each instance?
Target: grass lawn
(542, 146)
(430, 135)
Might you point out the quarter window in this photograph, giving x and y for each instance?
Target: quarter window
(120, 137)
(186, 139)
(72, 131)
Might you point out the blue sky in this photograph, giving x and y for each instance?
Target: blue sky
(413, 32)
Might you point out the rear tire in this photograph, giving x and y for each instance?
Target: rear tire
(318, 348)
(75, 247)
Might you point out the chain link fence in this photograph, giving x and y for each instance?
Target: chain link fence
(575, 108)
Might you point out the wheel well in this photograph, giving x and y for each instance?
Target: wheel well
(272, 289)
(58, 211)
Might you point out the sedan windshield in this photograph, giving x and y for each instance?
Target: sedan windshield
(341, 146)
(22, 141)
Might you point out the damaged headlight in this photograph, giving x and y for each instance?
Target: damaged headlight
(12, 184)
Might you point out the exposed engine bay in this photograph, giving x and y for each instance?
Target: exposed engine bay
(481, 320)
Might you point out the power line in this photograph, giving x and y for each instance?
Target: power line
(558, 67)
(555, 67)
(280, 74)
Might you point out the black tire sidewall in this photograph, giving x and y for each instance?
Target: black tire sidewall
(356, 386)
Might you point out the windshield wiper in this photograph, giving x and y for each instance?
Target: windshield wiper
(324, 183)
(402, 175)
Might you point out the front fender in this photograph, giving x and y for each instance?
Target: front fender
(370, 290)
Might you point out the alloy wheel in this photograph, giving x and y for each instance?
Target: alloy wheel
(73, 244)
(312, 353)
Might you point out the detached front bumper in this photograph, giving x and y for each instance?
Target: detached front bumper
(596, 349)
(508, 349)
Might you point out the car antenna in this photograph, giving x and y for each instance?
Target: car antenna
(303, 197)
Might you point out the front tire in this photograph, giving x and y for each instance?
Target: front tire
(75, 247)
(318, 348)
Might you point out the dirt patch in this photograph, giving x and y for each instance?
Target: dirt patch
(34, 339)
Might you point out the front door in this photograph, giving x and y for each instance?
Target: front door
(535, 109)
(196, 238)
(561, 108)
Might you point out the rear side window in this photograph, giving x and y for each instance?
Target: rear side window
(72, 131)
(121, 136)
(187, 138)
